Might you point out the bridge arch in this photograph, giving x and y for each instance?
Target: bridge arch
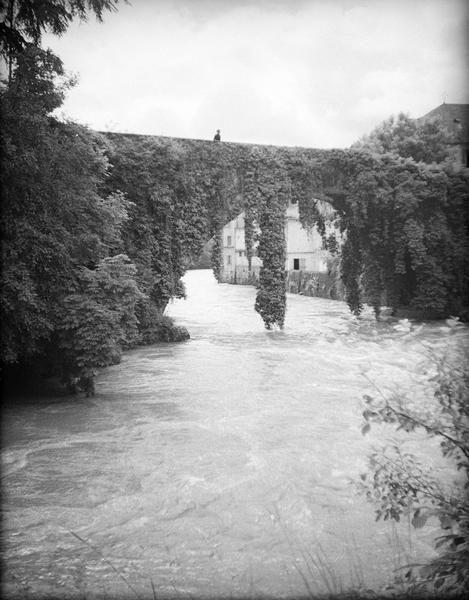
(184, 191)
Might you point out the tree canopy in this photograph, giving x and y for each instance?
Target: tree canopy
(59, 232)
(405, 212)
(24, 21)
(424, 141)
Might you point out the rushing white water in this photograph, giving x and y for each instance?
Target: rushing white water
(220, 466)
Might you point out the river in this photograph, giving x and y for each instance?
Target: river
(221, 466)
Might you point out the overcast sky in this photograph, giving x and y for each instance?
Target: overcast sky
(316, 73)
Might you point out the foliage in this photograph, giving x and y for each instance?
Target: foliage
(24, 22)
(220, 188)
(401, 224)
(249, 233)
(249, 192)
(71, 297)
(400, 485)
(271, 297)
(351, 270)
(64, 294)
(97, 320)
(168, 221)
(263, 189)
(216, 253)
(404, 226)
(155, 327)
(424, 141)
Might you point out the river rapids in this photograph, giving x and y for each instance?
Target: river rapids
(223, 466)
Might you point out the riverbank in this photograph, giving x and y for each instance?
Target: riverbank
(22, 380)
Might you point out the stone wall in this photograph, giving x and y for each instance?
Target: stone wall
(322, 285)
(242, 276)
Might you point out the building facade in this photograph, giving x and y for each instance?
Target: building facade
(304, 251)
(306, 262)
(235, 264)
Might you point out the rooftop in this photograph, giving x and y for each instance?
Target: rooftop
(455, 118)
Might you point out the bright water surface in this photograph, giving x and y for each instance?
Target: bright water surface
(219, 466)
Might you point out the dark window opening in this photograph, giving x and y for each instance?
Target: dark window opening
(296, 264)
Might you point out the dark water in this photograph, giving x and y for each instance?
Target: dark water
(219, 466)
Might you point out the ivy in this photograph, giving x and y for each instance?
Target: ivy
(351, 269)
(397, 225)
(403, 225)
(271, 296)
(271, 191)
(96, 321)
(249, 232)
(216, 254)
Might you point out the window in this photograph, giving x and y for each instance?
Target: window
(240, 253)
(228, 260)
(228, 241)
(296, 264)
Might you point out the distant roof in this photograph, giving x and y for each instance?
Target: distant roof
(455, 118)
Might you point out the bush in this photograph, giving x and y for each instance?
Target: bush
(400, 485)
(154, 327)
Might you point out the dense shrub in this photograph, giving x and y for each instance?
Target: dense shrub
(399, 484)
(62, 288)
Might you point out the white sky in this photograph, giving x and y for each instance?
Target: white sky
(316, 73)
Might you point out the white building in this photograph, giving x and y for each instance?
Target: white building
(304, 251)
(235, 268)
(303, 246)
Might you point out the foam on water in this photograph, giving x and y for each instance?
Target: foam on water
(218, 465)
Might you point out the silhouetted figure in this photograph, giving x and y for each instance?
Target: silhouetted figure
(217, 137)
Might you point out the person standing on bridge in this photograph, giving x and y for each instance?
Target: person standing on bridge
(217, 137)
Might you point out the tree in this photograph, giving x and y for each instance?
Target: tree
(97, 320)
(426, 141)
(409, 218)
(404, 225)
(167, 224)
(24, 22)
(59, 233)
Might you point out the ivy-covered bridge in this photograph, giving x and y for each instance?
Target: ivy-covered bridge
(405, 222)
